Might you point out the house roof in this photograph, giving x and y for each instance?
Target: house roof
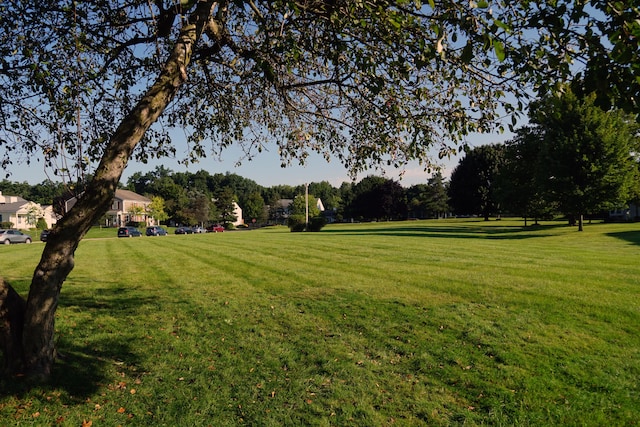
(11, 199)
(130, 195)
(13, 207)
(284, 203)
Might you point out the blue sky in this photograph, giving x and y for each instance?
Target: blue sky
(265, 168)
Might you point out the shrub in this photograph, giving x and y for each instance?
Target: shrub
(41, 224)
(6, 224)
(296, 223)
(316, 223)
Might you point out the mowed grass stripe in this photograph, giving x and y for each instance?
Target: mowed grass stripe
(414, 323)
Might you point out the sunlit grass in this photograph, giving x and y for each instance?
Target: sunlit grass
(409, 323)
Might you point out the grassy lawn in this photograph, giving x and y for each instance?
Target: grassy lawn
(408, 323)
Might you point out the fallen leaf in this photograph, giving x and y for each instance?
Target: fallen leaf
(86, 423)
(121, 410)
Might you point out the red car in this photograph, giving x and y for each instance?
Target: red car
(216, 228)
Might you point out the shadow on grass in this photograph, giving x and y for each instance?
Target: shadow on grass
(475, 231)
(80, 370)
(632, 237)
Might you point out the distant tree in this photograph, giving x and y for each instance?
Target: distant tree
(149, 182)
(473, 182)
(417, 200)
(345, 193)
(285, 191)
(587, 153)
(365, 202)
(326, 192)
(254, 209)
(298, 207)
(43, 193)
(522, 179)
(156, 209)
(437, 203)
(196, 211)
(224, 202)
(241, 187)
(135, 212)
(378, 198)
(33, 213)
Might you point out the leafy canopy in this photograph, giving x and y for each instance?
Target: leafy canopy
(369, 81)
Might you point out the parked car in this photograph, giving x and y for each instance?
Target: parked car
(198, 229)
(129, 232)
(156, 231)
(13, 236)
(44, 234)
(183, 230)
(215, 228)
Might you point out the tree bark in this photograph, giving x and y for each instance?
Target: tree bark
(12, 307)
(36, 356)
(580, 222)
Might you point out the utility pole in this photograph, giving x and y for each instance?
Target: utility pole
(306, 203)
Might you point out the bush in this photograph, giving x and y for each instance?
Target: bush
(316, 223)
(6, 224)
(296, 223)
(41, 224)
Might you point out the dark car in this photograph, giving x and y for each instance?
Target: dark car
(184, 230)
(215, 228)
(156, 231)
(13, 236)
(44, 234)
(129, 232)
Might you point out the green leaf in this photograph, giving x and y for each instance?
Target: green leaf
(483, 4)
(498, 48)
(502, 25)
(467, 53)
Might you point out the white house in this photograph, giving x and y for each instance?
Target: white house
(126, 206)
(24, 214)
(237, 211)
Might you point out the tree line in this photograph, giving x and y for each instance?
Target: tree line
(573, 159)
(201, 197)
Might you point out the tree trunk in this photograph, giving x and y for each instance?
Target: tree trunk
(580, 222)
(33, 355)
(12, 308)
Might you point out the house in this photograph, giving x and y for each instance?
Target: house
(126, 207)
(281, 211)
(630, 213)
(24, 214)
(237, 211)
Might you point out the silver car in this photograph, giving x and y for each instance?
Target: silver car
(13, 236)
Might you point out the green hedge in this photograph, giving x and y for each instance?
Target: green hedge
(296, 223)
